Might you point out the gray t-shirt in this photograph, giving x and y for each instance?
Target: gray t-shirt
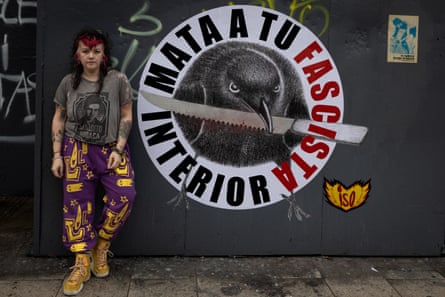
(91, 117)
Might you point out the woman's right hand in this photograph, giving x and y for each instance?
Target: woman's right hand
(57, 167)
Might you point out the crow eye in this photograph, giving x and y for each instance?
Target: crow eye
(233, 88)
(277, 89)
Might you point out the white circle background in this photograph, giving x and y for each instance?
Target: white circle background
(221, 18)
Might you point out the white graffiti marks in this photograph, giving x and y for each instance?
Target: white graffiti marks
(23, 86)
(18, 12)
(17, 70)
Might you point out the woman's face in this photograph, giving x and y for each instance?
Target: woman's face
(90, 56)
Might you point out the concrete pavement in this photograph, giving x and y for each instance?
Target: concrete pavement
(23, 275)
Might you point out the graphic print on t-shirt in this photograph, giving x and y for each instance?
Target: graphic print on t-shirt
(91, 112)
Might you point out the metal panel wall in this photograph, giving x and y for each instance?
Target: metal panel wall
(17, 96)
(401, 156)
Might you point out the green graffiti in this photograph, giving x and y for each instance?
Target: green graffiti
(140, 16)
(305, 8)
(130, 54)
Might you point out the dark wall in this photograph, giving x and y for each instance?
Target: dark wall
(401, 155)
(17, 96)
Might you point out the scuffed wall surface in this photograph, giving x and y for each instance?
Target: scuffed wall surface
(401, 156)
(17, 95)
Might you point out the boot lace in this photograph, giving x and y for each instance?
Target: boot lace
(78, 273)
(101, 255)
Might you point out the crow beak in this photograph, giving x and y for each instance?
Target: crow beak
(264, 113)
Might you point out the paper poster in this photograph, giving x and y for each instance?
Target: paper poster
(402, 38)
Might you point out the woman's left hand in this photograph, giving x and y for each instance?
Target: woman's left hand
(114, 160)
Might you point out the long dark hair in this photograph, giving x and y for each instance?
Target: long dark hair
(77, 67)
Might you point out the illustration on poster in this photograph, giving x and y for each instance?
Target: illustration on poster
(243, 171)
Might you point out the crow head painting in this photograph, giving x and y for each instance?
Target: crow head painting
(247, 77)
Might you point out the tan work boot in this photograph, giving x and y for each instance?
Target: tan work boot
(73, 284)
(99, 265)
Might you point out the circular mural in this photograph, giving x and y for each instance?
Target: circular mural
(219, 101)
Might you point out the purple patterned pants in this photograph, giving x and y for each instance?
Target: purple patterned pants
(85, 165)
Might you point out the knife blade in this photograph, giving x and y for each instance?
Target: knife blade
(338, 132)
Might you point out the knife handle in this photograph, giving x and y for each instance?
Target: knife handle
(338, 132)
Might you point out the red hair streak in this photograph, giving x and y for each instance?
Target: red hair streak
(90, 42)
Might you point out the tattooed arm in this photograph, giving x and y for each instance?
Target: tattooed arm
(125, 124)
(57, 128)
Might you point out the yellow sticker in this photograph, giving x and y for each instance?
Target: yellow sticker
(346, 198)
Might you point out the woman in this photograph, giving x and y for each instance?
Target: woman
(90, 128)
